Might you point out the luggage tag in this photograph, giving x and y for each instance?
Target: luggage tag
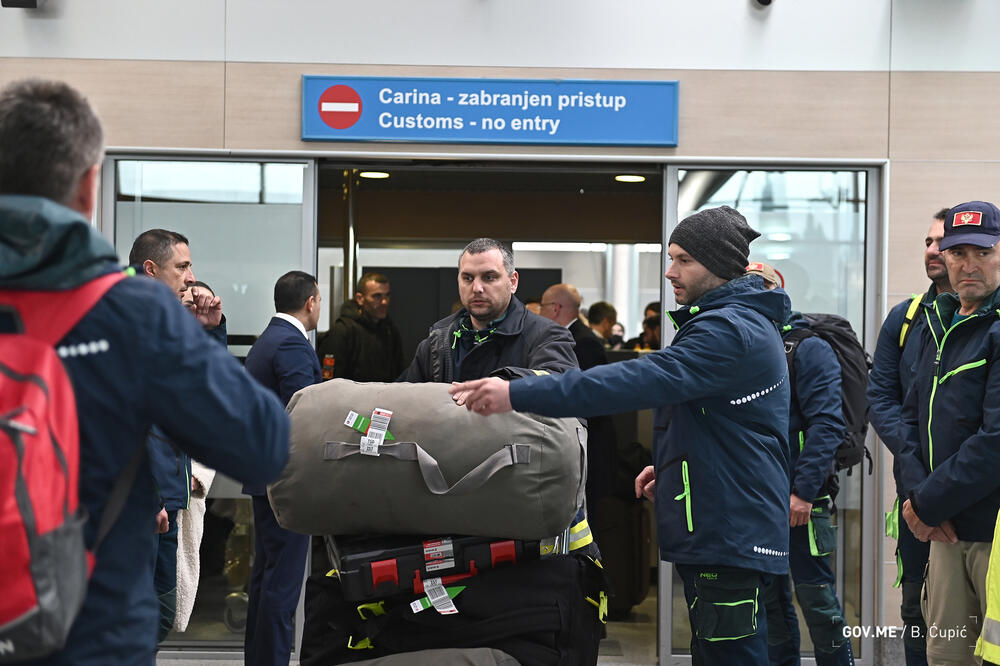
(439, 554)
(376, 432)
(355, 421)
(438, 596)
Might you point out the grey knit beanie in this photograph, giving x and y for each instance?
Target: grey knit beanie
(718, 238)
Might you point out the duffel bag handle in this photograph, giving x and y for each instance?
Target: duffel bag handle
(511, 454)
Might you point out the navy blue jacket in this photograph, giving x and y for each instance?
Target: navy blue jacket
(522, 345)
(171, 466)
(172, 375)
(283, 361)
(892, 373)
(951, 437)
(816, 417)
(721, 426)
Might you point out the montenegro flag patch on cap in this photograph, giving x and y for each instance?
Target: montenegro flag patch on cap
(967, 218)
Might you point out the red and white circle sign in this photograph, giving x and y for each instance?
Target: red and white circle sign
(340, 106)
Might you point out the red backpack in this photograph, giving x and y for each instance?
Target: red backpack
(44, 565)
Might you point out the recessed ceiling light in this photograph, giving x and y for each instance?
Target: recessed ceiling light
(780, 237)
(373, 174)
(630, 178)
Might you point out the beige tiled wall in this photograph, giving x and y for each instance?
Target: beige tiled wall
(142, 103)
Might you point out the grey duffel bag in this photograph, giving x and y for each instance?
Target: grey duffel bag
(445, 470)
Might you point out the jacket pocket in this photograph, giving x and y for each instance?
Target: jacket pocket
(685, 496)
(674, 475)
(822, 531)
(725, 605)
(962, 368)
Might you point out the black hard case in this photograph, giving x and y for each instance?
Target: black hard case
(374, 567)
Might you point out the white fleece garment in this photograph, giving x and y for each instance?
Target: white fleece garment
(190, 527)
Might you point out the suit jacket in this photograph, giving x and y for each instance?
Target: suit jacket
(589, 349)
(602, 438)
(282, 360)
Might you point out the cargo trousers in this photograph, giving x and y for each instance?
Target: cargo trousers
(727, 615)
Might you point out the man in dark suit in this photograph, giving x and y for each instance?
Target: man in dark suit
(282, 360)
(561, 304)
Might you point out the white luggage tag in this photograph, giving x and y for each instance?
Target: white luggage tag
(376, 432)
(437, 596)
(352, 420)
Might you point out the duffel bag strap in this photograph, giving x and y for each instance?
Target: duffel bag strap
(512, 454)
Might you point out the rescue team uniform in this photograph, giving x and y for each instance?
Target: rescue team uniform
(721, 454)
(172, 375)
(816, 429)
(891, 376)
(949, 461)
(516, 345)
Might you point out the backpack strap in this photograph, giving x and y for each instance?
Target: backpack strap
(911, 313)
(118, 496)
(792, 340)
(49, 315)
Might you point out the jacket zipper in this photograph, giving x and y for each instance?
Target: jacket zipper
(935, 381)
(686, 495)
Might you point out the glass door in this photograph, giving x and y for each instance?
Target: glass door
(248, 223)
(819, 229)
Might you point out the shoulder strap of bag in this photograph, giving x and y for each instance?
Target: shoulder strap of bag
(118, 496)
(792, 341)
(911, 313)
(50, 315)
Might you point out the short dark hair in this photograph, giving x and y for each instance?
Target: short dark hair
(203, 285)
(654, 306)
(292, 290)
(49, 137)
(942, 214)
(600, 311)
(481, 245)
(156, 245)
(370, 277)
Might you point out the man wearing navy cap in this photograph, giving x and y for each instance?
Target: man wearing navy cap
(951, 444)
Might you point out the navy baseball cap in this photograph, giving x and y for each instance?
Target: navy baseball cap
(973, 223)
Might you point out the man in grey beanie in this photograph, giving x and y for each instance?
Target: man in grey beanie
(721, 395)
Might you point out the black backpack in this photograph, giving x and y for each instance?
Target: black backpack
(854, 366)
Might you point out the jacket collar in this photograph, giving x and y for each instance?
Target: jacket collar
(511, 324)
(47, 246)
(746, 291)
(948, 303)
(292, 321)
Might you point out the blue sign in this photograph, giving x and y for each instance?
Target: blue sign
(568, 112)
